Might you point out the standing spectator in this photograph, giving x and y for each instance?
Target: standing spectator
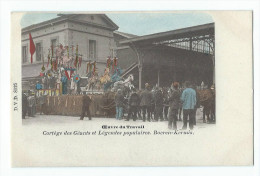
(146, 101)
(41, 102)
(38, 86)
(158, 100)
(32, 105)
(197, 103)
(52, 82)
(78, 87)
(165, 103)
(180, 109)
(85, 107)
(119, 100)
(174, 102)
(44, 82)
(24, 105)
(134, 102)
(139, 110)
(213, 114)
(188, 99)
(64, 81)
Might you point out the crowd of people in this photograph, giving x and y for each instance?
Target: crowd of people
(158, 104)
(151, 104)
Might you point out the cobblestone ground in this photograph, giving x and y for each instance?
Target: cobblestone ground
(73, 121)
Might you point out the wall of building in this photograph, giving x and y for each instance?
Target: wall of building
(69, 33)
(104, 44)
(44, 36)
(125, 54)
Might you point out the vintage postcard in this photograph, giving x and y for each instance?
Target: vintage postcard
(132, 88)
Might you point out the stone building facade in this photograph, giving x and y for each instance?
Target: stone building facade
(93, 33)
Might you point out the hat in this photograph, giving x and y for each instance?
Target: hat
(147, 85)
(212, 87)
(175, 84)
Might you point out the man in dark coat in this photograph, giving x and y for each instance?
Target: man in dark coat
(197, 103)
(133, 102)
(174, 102)
(31, 104)
(158, 100)
(119, 100)
(85, 107)
(24, 105)
(146, 100)
(165, 103)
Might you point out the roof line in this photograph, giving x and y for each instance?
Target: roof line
(171, 32)
(126, 35)
(62, 18)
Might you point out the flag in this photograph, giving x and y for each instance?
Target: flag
(67, 75)
(32, 46)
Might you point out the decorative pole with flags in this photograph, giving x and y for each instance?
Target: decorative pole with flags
(32, 47)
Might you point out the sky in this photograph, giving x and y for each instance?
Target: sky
(137, 23)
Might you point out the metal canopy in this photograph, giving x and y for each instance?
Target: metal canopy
(198, 38)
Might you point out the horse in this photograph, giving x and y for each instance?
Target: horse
(127, 82)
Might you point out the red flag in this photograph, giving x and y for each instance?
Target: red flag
(71, 71)
(67, 75)
(32, 46)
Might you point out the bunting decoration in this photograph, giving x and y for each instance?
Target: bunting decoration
(69, 72)
(76, 60)
(41, 74)
(51, 64)
(108, 62)
(68, 52)
(80, 60)
(114, 64)
(94, 67)
(43, 68)
(89, 67)
(115, 61)
(49, 55)
(67, 75)
(54, 65)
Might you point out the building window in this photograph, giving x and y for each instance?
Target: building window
(54, 44)
(38, 51)
(24, 54)
(92, 49)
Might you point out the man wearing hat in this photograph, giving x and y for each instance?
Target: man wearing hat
(133, 102)
(85, 107)
(189, 100)
(146, 101)
(119, 100)
(174, 102)
(158, 100)
(24, 105)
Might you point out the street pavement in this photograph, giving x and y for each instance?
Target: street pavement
(73, 121)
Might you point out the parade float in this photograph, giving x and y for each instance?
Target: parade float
(62, 89)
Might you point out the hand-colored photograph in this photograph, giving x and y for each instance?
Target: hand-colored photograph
(146, 67)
